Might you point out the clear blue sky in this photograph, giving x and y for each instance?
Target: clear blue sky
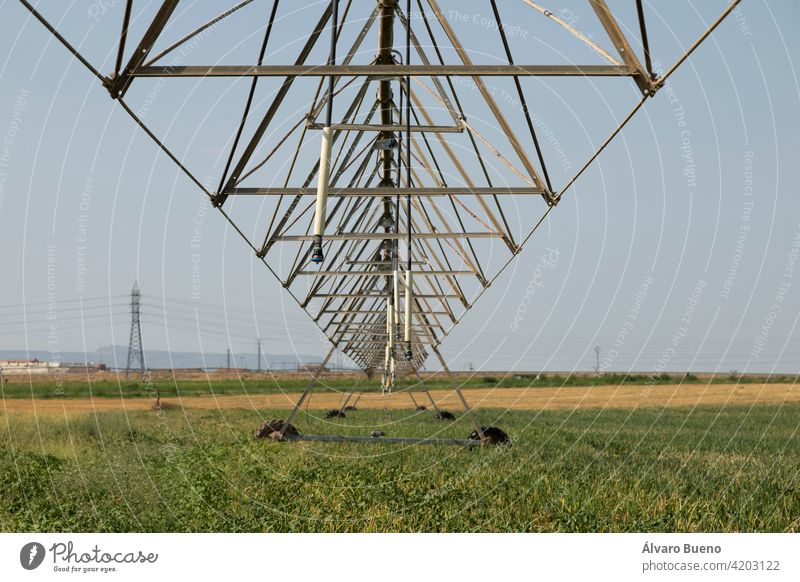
(673, 251)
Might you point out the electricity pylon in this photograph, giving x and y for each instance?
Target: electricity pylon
(135, 351)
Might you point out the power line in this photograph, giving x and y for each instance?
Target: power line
(60, 301)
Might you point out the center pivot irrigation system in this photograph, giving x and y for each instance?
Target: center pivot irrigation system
(414, 198)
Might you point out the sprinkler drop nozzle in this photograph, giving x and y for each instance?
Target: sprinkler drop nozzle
(316, 253)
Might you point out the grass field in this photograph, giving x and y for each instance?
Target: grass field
(534, 398)
(201, 384)
(709, 468)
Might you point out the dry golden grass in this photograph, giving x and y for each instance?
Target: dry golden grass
(572, 397)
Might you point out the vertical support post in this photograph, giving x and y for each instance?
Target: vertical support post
(645, 43)
(324, 176)
(407, 335)
(457, 390)
(396, 292)
(126, 19)
(409, 306)
(307, 391)
(386, 384)
(323, 179)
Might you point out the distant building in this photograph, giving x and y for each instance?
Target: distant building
(26, 366)
(34, 366)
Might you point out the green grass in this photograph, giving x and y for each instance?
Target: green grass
(113, 389)
(708, 469)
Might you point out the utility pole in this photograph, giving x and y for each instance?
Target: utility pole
(135, 351)
(259, 354)
(228, 361)
(597, 367)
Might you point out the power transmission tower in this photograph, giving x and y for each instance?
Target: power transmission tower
(228, 360)
(597, 367)
(135, 351)
(259, 354)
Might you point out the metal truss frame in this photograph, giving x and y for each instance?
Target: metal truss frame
(392, 258)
